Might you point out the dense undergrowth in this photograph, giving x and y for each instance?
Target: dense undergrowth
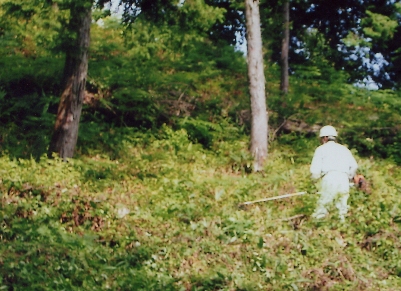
(163, 214)
(151, 199)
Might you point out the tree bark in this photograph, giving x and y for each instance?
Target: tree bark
(65, 133)
(259, 128)
(284, 85)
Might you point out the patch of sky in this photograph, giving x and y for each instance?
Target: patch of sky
(374, 65)
(114, 7)
(311, 8)
(241, 44)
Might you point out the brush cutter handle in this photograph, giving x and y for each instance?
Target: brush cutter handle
(274, 198)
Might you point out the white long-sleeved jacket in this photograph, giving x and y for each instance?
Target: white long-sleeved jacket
(332, 156)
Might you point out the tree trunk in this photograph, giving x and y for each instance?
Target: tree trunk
(256, 85)
(65, 133)
(284, 85)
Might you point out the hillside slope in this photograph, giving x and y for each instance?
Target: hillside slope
(151, 200)
(165, 215)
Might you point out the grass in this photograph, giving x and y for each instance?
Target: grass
(163, 214)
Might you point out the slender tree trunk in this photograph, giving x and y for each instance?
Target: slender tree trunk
(65, 133)
(284, 85)
(256, 85)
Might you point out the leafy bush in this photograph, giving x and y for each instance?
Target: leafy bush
(161, 212)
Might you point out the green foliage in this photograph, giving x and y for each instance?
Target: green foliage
(164, 215)
(144, 85)
(201, 16)
(200, 131)
(25, 108)
(29, 29)
(133, 80)
(378, 26)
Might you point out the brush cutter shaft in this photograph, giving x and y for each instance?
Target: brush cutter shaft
(274, 198)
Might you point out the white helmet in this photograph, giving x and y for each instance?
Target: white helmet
(328, 130)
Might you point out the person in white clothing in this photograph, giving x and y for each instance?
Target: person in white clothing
(335, 164)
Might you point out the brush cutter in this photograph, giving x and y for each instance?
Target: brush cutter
(273, 198)
(359, 181)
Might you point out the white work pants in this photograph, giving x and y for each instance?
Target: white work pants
(334, 188)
